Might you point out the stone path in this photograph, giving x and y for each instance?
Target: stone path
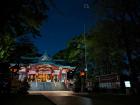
(64, 98)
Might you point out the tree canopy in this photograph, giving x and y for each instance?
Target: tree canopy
(19, 18)
(74, 51)
(24, 47)
(123, 16)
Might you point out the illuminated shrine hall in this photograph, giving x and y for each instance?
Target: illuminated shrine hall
(45, 70)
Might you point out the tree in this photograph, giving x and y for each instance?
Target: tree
(74, 52)
(125, 15)
(6, 43)
(17, 18)
(24, 47)
(104, 48)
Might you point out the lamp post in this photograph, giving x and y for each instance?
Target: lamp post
(85, 48)
(86, 6)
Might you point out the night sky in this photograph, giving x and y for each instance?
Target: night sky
(64, 21)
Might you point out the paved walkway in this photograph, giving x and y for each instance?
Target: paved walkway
(64, 97)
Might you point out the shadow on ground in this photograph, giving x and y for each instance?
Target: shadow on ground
(112, 99)
(25, 100)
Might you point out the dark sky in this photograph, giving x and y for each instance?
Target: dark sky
(64, 21)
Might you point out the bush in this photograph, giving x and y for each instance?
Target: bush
(24, 87)
(15, 85)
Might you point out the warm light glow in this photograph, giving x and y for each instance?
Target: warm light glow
(82, 73)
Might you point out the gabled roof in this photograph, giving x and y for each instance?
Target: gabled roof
(45, 58)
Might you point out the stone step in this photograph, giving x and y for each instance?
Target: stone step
(47, 86)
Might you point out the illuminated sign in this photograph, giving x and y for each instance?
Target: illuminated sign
(127, 83)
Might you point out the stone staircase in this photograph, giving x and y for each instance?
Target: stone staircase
(47, 86)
